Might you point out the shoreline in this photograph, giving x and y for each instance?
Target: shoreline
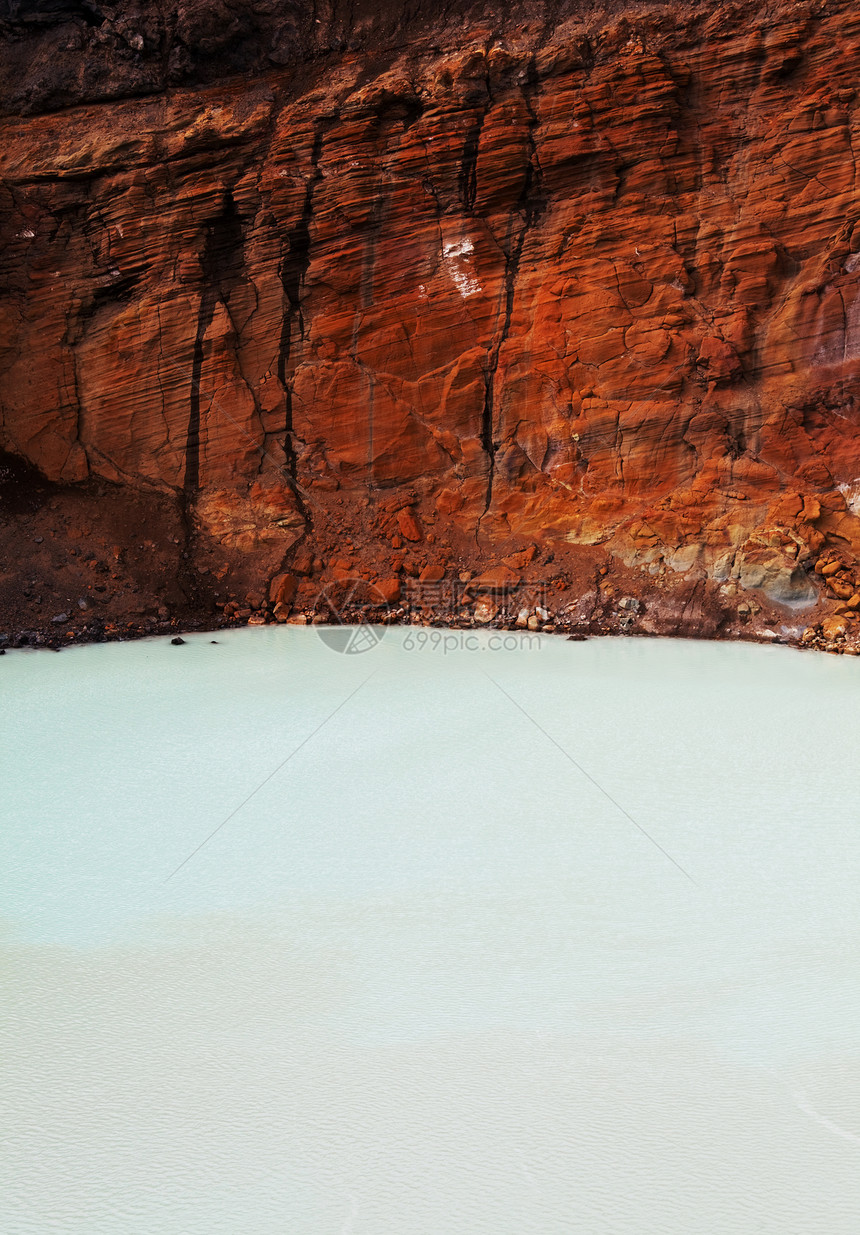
(98, 631)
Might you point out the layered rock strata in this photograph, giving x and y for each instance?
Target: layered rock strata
(565, 307)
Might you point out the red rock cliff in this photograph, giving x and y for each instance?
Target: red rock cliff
(575, 291)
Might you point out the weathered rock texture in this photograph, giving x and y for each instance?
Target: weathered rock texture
(413, 293)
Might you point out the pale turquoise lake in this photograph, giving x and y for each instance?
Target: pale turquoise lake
(531, 940)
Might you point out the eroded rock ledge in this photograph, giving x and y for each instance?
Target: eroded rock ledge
(570, 293)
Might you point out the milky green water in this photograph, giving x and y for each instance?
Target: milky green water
(429, 977)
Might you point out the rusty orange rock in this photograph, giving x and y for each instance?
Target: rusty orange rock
(386, 591)
(409, 525)
(593, 286)
(282, 589)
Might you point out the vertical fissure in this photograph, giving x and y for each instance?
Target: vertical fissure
(468, 177)
(365, 303)
(528, 209)
(222, 265)
(293, 273)
(191, 482)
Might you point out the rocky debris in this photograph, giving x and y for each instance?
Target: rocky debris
(177, 641)
(839, 633)
(282, 591)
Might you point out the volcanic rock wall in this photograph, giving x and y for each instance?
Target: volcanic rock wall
(575, 289)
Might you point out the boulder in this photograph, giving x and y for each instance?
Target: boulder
(834, 628)
(408, 523)
(496, 579)
(385, 591)
(282, 589)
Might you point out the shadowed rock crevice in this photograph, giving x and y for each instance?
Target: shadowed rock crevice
(468, 178)
(222, 265)
(527, 212)
(293, 270)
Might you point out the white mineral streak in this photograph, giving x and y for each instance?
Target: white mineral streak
(851, 493)
(457, 255)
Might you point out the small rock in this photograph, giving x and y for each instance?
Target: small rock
(496, 579)
(409, 526)
(521, 559)
(834, 627)
(82, 604)
(386, 591)
(59, 618)
(485, 611)
(177, 641)
(841, 589)
(534, 622)
(303, 561)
